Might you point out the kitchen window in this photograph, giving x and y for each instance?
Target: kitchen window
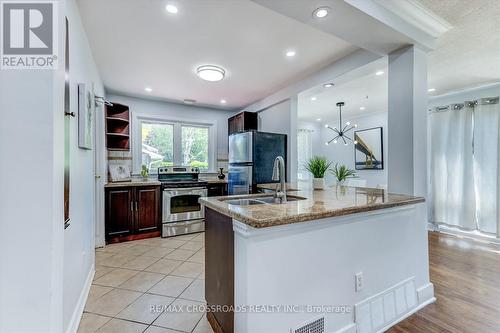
(195, 147)
(166, 143)
(157, 145)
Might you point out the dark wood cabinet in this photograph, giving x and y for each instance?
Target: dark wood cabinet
(119, 212)
(132, 212)
(216, 189)
(219, 269)
(243, 121)
(147, 210)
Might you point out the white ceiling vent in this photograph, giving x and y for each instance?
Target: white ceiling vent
(316, 325)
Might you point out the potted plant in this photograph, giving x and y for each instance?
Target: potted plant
(318, 166)
(342, 173)
(144, 172)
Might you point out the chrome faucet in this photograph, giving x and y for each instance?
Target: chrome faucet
(279, 174)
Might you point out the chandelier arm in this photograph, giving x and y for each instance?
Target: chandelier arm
(350, 128)
(345, 136)
(335, 138)
(345, 142)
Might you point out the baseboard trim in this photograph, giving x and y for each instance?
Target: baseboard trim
(78, 312)
(406, 315)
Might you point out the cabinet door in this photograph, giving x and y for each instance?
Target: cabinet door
(216, 190)
(119, 212)
(148, 203)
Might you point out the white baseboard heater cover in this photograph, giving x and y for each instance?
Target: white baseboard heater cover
(380, 310)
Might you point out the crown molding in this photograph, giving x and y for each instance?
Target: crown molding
(418, 15)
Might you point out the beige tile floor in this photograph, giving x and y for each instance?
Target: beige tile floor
(132, 277)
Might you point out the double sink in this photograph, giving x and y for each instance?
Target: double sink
(260, 200)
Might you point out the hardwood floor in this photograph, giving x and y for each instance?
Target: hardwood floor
(466, 277)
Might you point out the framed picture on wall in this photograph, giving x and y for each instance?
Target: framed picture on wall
(369, 150)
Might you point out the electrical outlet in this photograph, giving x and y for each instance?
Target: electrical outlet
(358, 281)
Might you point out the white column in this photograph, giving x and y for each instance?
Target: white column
(407, 121)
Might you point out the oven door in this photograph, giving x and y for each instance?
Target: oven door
(181, 204)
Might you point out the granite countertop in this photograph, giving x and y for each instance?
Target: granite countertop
(134, 182)
(333, 201)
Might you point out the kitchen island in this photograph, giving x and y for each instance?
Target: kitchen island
(344, 259)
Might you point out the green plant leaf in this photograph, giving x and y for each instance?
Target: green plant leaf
(342, 172)
(318, 166)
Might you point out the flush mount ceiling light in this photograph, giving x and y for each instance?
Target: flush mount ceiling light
(148, 89)
(379, 73)
(223, 101)
(314, 98)
(290, 53)
(321, 12)
(431, 90)
(342, 133)
(328, 85)
(211, 73)
(171, 9)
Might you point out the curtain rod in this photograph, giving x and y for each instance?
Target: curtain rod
(459, 106)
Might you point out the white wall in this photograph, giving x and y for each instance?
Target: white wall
(293, 265)
(31, 198)
(79, 237)
(279, 119)
(44, 267)
(182, 112)
(339, 153)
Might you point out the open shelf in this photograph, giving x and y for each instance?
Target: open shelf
(118, 134)
(117, 127)
(117, 119)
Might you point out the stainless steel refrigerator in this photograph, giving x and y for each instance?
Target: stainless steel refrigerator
(251, 159)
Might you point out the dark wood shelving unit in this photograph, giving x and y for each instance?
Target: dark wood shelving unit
(117, 127)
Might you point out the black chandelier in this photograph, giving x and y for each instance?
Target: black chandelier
(342, 132)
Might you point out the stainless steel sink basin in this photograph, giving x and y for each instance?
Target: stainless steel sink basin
(267, 200)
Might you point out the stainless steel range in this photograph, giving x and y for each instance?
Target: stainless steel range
(181, 189)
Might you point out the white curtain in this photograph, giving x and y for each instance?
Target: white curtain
(452, 185)
(464, 166)
(304, 152)
(486, 122)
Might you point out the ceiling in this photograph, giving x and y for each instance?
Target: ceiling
(358, 88)
(137, 44)
(469, 54)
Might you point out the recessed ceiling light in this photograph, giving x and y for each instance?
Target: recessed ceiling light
(223, 101)
(318, 119)
(328, 85)
(431, 90)
(189, 101)
(210, 73)
(290, 53)
(362, 108)
(314, 98)
(148, 89)
(379, 73)
(171, 9)
(321, 12)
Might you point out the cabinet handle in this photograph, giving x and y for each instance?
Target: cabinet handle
(136, 206)
(132, 206)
